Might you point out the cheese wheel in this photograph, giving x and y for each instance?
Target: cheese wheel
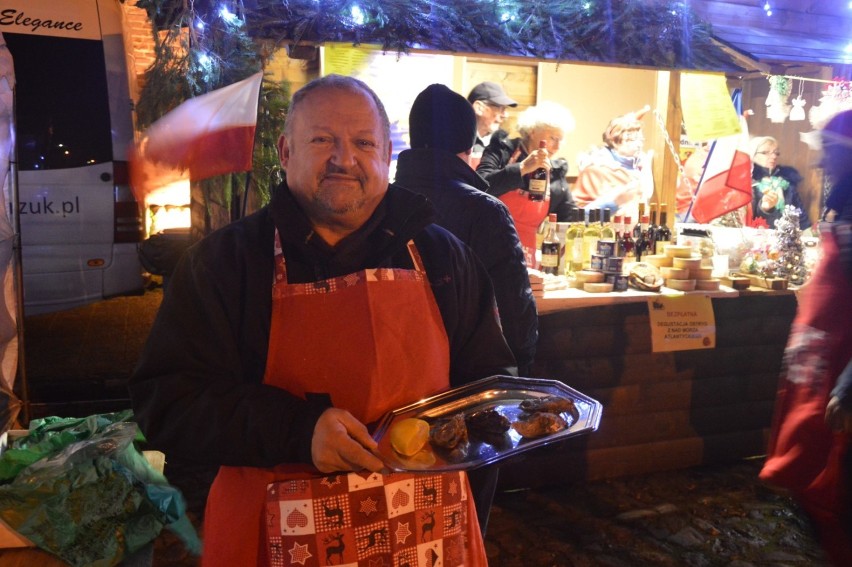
(681, 285)
(671, 273)
(584, 276)
(688, 263)
(701, 273)
(707, 285)
(678, 251)
(658, 260)
(597, 287)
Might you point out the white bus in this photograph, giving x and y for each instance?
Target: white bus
(80, 225)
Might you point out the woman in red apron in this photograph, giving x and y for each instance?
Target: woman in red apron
(349, 331)
(505, 162)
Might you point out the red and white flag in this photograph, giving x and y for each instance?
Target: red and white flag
(211, 134)
(725, 185)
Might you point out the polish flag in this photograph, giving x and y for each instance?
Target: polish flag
(725, 185)
(211, 134)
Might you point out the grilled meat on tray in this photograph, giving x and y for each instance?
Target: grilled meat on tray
(539, 424)
(450, 437)
(488, 426)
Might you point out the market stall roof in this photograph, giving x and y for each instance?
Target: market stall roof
(796, 32)
(717, 35)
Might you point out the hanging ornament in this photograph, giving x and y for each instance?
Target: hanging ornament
(777, 108)
(798, 111)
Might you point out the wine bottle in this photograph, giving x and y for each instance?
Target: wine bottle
(664, 233)
(574, 241)
(643, 246)
(628, 245)
(607, 230)
(652, 230)
(550, 248)
(618, 227)
(591, 235)
(538, 182)
(637, 229)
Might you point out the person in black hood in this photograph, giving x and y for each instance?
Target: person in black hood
(442, 126)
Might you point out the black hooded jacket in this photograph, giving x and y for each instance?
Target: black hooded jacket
(485, 224)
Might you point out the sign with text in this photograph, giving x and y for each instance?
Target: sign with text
(708, 112)
(682, 322)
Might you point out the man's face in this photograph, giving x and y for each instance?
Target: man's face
(489, 116)
(337, 157)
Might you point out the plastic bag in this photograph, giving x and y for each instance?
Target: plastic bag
(89, 496)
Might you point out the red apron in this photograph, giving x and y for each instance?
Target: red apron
(373, 340)
(528, 215)
(804, 454)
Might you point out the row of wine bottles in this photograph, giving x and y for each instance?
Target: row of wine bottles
(570, 251)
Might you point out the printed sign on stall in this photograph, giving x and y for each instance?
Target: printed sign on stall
(682, 322)
(708, 112)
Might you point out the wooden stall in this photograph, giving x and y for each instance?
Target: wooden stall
(661, 410)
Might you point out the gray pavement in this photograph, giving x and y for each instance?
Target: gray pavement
(78, 361)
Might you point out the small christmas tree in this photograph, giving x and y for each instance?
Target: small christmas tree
(791, 254)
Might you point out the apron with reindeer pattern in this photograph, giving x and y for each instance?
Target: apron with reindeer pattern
(373, 340)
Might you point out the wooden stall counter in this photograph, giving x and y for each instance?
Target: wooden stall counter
(661, 410)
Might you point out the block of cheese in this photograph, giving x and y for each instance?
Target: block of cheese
(678, 251)
(658, 260)
(681, 285)
(592, 287)
(701, 273)
(688, 263)
(707, 285)
(671, 273)
(589, 276)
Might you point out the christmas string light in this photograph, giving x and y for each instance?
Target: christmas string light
(767, 8)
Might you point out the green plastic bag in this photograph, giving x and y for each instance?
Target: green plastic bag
(86, 494)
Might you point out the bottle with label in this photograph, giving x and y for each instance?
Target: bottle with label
(574, 241)
(550, 248)
(618, 226)
(627, 245)
(643, 243)
(664, 233)
(607, 228)
(538, 182)
(637, 228)
(652, 230)
(591, 235)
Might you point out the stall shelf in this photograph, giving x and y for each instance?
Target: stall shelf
(663, 410)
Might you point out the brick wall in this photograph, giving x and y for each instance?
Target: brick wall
(140, 41)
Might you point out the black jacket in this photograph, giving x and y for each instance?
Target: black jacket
(197, 391)
(791, 194)
(482, 222)
(503, 177)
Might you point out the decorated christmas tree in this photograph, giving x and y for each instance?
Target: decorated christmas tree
(791, 254)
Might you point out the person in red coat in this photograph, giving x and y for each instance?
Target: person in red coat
(809, 445)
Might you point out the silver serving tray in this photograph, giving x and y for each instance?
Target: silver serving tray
(501, 393)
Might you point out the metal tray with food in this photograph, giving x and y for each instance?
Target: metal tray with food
(482, 423)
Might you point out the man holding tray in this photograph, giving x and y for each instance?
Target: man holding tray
(283, 334)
